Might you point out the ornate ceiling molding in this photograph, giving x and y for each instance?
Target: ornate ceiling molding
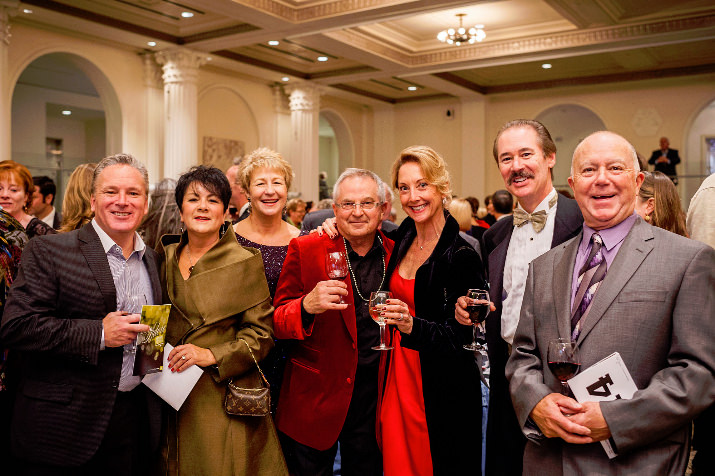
(297, 13)
(658, 32)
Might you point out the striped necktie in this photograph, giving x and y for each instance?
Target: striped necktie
(589, 278)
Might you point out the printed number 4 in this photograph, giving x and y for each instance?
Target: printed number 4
(603, 384)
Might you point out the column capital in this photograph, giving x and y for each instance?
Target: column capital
(152, 71)
(304, 96)
(180, 64)
(8, 9)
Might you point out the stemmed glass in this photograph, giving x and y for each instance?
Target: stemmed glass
(133, 305)
(478, 309)
(336, 265)
(378, 301)
(564, 361)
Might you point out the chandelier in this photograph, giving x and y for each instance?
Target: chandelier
(462, 35)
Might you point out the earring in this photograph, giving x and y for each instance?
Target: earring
(647, 218)
(181, 228)
(444, 201)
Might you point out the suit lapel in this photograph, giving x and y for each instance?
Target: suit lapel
(563, 273)
(91, 247)
(565, 224)
(636, 246)
(348, 314)
(150, 263)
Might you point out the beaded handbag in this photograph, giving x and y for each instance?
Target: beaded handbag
(241, 401)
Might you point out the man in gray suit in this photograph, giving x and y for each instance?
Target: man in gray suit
(654, 306)
(71, 318)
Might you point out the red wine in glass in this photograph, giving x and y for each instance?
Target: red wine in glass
(564, 370)
(478, 309)
(564, 361)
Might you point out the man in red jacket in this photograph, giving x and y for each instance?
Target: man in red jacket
(329, 390)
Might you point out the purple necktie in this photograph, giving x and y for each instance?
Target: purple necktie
(589, 278)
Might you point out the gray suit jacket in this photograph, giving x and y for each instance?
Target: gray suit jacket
(53, 322)
(656, 308)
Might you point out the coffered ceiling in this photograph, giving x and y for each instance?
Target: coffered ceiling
(374, 50)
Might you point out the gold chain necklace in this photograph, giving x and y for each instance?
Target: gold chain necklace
(422, 246)
(352, 274)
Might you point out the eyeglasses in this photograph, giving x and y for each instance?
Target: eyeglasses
(369, 205)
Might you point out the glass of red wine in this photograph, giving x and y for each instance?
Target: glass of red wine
(336, 265)
(564, 361)
(378, 301)
(478, 308)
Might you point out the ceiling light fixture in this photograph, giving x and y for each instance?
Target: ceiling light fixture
(151, 43)
(66, 112)
(412, 88)
(461, 35)
(322, 58)
(285, 79)
(187, 14)
(274, 42)
(26, 10)
(546, 65)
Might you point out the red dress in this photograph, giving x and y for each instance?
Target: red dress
(403, 425)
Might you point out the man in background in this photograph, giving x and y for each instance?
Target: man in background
(665, 159)
(238, 207)
(502, 204)
(43, 200)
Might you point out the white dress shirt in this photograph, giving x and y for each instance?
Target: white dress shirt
(50, 218)
(525, 245)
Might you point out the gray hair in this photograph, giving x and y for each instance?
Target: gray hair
(631, 150)
(121, 159)
(353, 172)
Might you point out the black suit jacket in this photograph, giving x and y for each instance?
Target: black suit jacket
(57, 222)
(505, 441)
(53, 322)
(667, 169)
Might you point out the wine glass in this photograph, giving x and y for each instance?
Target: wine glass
(336, 265)
(378, 301)
(478, 309)
(564, 361)
(133, 304)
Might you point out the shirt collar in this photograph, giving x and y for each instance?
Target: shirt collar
(610, 236)
(376, 245)
(544, 205)
(108, 242)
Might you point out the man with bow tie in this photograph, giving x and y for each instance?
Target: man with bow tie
(525, 154)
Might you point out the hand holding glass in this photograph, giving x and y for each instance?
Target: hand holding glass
(336, 266)
(478, 309)
(564, 361)
(378, 301)
(133, 305)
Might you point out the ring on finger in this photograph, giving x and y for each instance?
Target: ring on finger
(183, 357)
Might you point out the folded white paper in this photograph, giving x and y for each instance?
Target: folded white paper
(173, 387)
(605, 380)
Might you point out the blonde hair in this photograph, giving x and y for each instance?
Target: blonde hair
(263, 157)
(76, 206)
(432, 164)
(461, 210)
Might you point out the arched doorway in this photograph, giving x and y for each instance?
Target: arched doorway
(568, 125)
(335, 147)
(64, 113)
(698, 161)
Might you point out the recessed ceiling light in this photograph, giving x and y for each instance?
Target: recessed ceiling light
(187, 14)
(274, 42)
(66, 112)
(546, 65)
(151, 43)
(285, 78)
(26, 10)
(322, 58)
(412, 88)
(209, 58)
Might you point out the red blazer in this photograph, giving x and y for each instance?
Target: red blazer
(319, 376)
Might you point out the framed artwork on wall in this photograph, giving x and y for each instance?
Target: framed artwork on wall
(220, 152)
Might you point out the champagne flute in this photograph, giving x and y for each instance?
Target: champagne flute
(478, 309)
(564, 361)
(378, 301)
(336, 266)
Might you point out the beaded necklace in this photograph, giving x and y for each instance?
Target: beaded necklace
(352, 274)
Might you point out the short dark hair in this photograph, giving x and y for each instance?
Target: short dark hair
(211, 178)
(120, 159)
(474, 203)
(46, 186)
(503, 202)
(544, 138)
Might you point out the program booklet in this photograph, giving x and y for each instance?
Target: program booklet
(149, 357)
(608, 379)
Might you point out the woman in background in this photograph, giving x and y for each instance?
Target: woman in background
(76, 206)
(16, 189)
(658, 203)
(220, 308)
(422, 430)
(163, 217)
(295, 209)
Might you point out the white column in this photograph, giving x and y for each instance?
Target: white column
(7, 10)
(181, 72)
(304, 154)
(154, 105)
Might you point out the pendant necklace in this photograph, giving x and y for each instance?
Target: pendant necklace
(352, 274)
(422, 246)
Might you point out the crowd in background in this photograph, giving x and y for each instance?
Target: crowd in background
(244, 268)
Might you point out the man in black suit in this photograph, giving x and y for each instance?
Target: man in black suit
(525, 154)
(43, 201)
(665, 159)
(79, 409)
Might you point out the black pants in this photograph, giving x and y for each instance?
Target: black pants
(119, 452)
(359, 453)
